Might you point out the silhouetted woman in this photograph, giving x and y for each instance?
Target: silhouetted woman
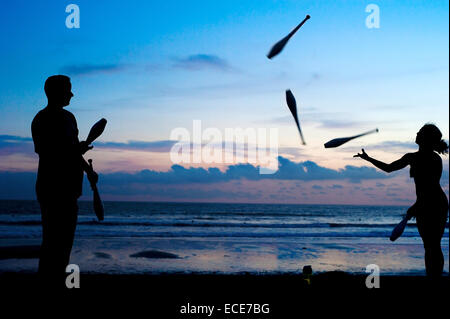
(431, 206)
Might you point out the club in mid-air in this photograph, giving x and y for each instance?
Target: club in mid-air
(339, 141)
(292, 104)
(279, 46)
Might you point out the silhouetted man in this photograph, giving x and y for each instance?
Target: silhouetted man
(59, 177)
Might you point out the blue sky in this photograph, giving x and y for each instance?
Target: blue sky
(149, 67)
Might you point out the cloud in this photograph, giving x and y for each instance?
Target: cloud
(327, 120)
(287, 119)
(388, 146)
(309, 170)
(288, 170)
(201, 62)
(14, 185)
(152, 146)
(87, 69)
(20, 185)
(395, 145)
(11, 144)
(207, 184)
(292, 151)
(333, 123)
(14, 139)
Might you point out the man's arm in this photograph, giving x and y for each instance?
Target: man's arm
(39, 134)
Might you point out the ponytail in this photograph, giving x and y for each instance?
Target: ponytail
(441, 147)
(430, 136)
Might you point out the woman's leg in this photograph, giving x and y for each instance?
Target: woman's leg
(431, 229)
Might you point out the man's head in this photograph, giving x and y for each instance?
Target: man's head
(58, 90)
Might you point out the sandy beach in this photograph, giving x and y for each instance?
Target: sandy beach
(164, 261)
(274, 256)
(197, 281)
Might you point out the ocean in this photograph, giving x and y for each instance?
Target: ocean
(225, 238)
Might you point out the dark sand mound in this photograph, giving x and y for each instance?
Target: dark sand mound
(102, 255)
(154, 254)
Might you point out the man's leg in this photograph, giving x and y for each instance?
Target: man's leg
(45, 251)
(69, 223)
(58, 225)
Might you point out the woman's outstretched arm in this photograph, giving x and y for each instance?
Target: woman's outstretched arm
(394, 166)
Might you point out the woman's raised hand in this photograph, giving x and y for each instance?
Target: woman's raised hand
(363, 155)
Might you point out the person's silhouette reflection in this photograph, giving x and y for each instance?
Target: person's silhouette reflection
(59, 177)
(431, 206)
